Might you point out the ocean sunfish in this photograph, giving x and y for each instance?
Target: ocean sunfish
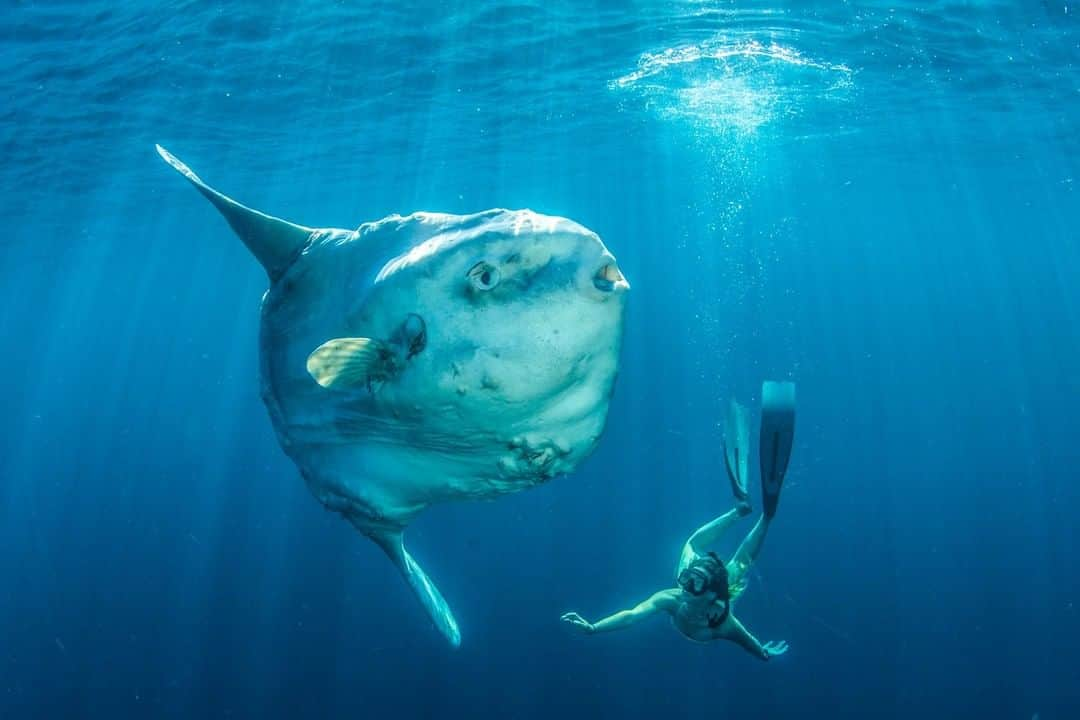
(431, 357)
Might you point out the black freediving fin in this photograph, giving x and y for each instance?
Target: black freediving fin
(777, 434)
(736, 442)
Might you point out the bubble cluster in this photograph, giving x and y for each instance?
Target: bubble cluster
(722, 86)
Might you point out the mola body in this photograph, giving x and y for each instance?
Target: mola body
(432, 357)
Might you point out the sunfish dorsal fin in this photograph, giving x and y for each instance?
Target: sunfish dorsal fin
(274, 242)
(350, 362)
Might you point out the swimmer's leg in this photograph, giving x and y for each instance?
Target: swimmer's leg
(708, 534)
(747, 553)
(750, 547)
(777, 430)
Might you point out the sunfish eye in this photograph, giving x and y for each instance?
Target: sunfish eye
(483, 275)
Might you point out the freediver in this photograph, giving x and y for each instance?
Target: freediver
(701, 606)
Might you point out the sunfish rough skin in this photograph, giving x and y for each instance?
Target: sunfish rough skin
(432, 357)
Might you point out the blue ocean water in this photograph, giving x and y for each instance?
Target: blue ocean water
(877, 200)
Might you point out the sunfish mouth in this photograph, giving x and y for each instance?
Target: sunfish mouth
(609, 278)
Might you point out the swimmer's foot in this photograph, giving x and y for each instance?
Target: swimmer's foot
(777, 434)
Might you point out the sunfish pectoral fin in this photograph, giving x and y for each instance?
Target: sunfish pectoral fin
(274, 242)
(422, 586)
(350, 362)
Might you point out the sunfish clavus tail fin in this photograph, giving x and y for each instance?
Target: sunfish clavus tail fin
(274, 242)
(422, 586)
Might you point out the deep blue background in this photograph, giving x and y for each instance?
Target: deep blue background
(890, 219)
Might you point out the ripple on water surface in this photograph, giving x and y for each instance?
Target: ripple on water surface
(735, 86)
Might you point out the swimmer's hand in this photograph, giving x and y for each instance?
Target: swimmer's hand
(772, 649)
(572, 618)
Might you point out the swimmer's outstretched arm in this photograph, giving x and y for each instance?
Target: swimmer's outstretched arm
(742, 637)
(663, 601)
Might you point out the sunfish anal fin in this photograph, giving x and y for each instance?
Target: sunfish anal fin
(422, 586)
